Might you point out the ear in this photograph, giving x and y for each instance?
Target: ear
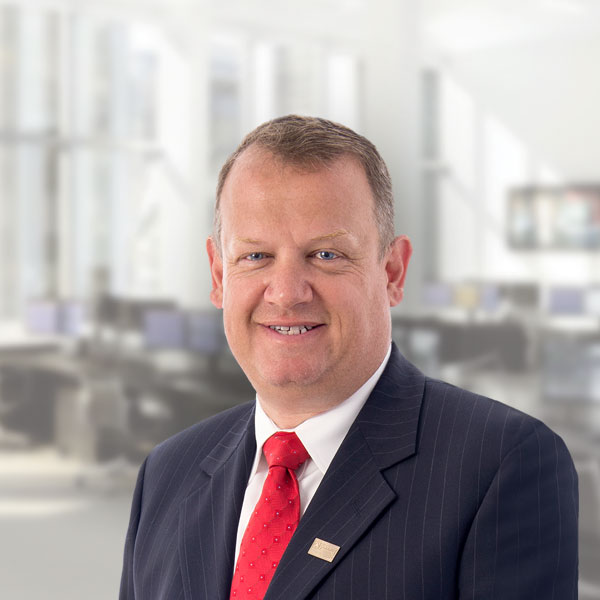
(397, 258)
(216, 271)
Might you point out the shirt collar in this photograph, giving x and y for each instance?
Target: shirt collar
(322, 434)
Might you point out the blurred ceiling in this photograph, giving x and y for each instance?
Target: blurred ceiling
(455, 26)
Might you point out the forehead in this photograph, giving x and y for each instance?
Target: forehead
(259, 177)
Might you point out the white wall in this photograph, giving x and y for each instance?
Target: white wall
(531, 117)
(548, 92)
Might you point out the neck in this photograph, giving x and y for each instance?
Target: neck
(288, 416)
(289, 405)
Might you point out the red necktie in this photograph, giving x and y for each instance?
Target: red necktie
(274, 519)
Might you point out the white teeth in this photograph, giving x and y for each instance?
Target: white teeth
(286, 330)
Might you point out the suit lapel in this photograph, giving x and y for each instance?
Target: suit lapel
(208, 517)
(354, 492)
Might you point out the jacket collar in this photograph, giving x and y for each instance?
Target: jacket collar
(208, 518)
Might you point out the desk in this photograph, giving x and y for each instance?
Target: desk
(78, 401)
(16, 341)
(570, 377)
(504, 342)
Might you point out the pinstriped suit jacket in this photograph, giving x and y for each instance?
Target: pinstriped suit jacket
(435, 493)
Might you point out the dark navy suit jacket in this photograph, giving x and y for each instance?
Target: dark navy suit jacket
(435, 493)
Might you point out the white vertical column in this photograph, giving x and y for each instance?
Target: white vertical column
(6, 198)
(79, 87)
(65, 250)
(119, 203)
(31, 180)
(391, 114)
(264, 92)
(193, 262)
(31, 52)
(174, 172)
(5, 52)
(343, 89)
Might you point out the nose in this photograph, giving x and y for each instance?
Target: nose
(288, 285)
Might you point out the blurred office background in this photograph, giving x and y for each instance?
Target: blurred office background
(114, 120)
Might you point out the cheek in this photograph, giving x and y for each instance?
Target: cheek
(356, 306)
(241, 297)
(376, 304)
(240, 290)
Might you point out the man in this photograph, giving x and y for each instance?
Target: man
(400, 487)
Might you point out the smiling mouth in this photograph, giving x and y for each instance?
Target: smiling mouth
(295, 330)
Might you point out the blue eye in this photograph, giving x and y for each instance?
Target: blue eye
(326, 255)
(254, 256)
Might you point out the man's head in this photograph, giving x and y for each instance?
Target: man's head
(313, 143)
(303, 274)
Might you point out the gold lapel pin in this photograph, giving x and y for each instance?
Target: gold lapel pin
(323, 550)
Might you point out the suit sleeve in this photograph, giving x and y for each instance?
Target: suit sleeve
(523, 542)
(127, 591)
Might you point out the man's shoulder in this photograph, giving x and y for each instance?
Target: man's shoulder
(200, 438)
(480, 420)
(445, 406)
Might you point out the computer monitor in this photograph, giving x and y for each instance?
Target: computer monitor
(42, 317)
(437, 295)
(132, 311)
(523, 295)
(466, 295)
(489, 297)
(565, 301)
(164, 329)
(53, 317)
(71, 315)
(205, 332)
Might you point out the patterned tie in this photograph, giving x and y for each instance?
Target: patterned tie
(274, 519)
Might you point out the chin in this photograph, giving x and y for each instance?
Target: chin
(292, 376)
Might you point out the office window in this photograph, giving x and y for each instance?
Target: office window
(254, 80)
(143, 111)
(85, 116)
(343, 78)
(480, 160)
(265, 89)
(28, 124)
(226, 73)
(298, 79)
(458, 130)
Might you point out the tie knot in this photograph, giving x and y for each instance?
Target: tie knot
(284, 449)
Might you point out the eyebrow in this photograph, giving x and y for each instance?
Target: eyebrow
(248, 240)
(329, 236)
(326, 236)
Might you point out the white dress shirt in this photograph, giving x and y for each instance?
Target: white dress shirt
(321, 435)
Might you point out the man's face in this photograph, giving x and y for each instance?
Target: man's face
(304, 290)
